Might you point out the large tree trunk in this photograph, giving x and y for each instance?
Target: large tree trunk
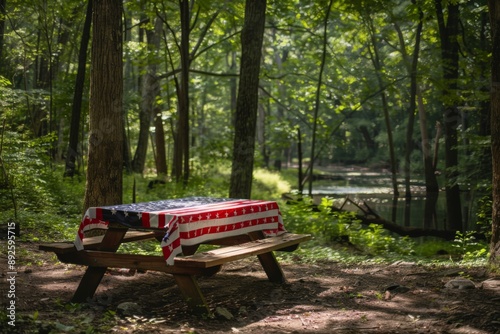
(74, 131)
(252, 37)
(105, 157)
(448, 32)
(494, 7)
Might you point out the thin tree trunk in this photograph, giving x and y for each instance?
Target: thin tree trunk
(150, 90)
(3, 4)
(74, 131)
(385, 106)
(233, 84)
(299, 157)
(105, 156)
(318, 92)
(411, 65)
(261, 134)
(494, 7)
(431, 184)
(449, 31)
(181, 144)
(252, 37)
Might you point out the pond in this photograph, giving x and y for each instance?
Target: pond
(374, 189)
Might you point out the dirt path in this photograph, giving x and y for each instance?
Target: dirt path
(319, 298)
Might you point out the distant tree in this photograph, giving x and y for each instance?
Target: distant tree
(494, 7)
(76, 109)
(181, 148)
(448, 23)
(150, 90)
(105, 156)
(318, 95)
(247, 102)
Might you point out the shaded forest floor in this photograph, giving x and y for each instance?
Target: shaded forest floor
(318, 298)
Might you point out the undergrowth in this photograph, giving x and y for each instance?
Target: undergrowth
(49, 207)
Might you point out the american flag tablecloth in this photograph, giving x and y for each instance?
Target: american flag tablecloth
(188, 221)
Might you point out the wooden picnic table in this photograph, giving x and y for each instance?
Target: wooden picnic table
(243, 227)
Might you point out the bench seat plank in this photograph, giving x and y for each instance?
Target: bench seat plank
(231, 253)
(93, 242)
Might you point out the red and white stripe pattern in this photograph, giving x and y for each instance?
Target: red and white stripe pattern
(200, 223)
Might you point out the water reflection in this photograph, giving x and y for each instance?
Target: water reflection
(422, 210)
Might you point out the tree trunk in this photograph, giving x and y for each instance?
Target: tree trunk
(484, 164)
(252, 37)
(261, 135)
(105, 156)
(449, 52)
(385, 105)
(431, 184)
(40, 118)
(299, 157)
(181, 144)
(411, 66)
(318, 91)
(161, 153)
(233, 84)
(150, 90)
(494, 8)
(74, 131)
(3, 4)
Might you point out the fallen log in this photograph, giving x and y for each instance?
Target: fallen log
(369, 216)
(412, 232)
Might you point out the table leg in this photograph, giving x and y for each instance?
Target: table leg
(192, 293)
(93, 275)
(269, 262)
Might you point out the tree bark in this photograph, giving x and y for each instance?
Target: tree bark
(494, 8)
(3, 4)
(105, 156)
(448, 32)
(252, 37)
(181, 144)
(74, 131)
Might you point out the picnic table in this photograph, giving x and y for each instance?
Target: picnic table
(242, 228)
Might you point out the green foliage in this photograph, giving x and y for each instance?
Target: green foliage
(468, 246)
(339, 226)
(484, 216)
(25, 164)
(376, 240)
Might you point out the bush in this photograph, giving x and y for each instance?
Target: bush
(302, 216)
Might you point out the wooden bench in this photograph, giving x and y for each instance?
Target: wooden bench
(185, 268)
(94, 242)
(286, 242)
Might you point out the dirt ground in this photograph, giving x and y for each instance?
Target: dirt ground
(318, 298)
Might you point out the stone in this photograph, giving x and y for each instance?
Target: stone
(460, 283)
(222, 311)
